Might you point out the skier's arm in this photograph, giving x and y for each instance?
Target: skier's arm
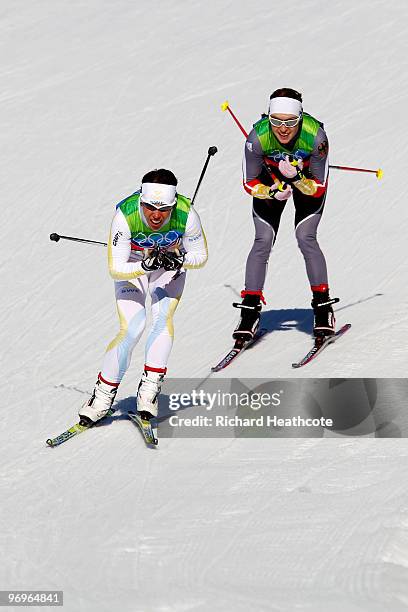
(315, 182)
(119, 249)
(194, 242)
(252, 167)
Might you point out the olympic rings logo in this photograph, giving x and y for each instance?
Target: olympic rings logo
(278, 155)
(156, 239)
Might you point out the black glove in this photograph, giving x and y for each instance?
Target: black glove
(152, 260)
(172, 261)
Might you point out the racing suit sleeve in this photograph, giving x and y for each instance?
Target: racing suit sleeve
(194, 242)
(314, 183)
(119, 249)
(252, 162)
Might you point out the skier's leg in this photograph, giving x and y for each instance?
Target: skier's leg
(308, 215)
(130, 301)
(166, 289)
(266, 215)
(307, 218)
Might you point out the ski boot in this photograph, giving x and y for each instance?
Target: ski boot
(99, 404)
(324, 320)
(248, 323)
(148, 393)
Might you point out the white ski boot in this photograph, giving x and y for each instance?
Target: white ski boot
(99, 404)
(148, 393)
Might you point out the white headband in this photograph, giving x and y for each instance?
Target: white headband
(158, 193)
(286, 106)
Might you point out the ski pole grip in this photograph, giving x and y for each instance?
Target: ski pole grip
(212, 150)
(55, 237)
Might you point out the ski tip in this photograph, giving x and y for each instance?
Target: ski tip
(49, 443)
(342, 330)
(148, 435)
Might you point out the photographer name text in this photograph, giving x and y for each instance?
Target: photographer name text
(236, 421)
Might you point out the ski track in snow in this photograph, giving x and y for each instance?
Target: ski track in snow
(94, 94)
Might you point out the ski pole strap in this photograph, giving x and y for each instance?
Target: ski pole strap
(281, 186)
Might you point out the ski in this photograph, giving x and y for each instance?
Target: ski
(239, 347)
(320, 346)
(74, 431)
(145, 427)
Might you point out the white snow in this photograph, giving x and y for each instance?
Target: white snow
(93, 95)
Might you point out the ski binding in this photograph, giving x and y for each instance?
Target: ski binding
(239, 347)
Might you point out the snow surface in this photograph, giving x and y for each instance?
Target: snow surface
(93, 95)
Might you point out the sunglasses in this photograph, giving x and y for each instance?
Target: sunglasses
(290, 123)
(159, 207)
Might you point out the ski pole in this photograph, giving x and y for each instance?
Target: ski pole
(225, 106)
(211, 151)
(379, 173)
(56, 237)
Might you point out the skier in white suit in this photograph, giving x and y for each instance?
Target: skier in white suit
(156, 235)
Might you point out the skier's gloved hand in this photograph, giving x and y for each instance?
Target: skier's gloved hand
(152, 260)
(291, 168)
(278, 191)
(306, 186)
(172, 260)
(280, 194)
(261, 191)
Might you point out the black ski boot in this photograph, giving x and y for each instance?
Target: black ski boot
(250, 315)
(324, 320)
